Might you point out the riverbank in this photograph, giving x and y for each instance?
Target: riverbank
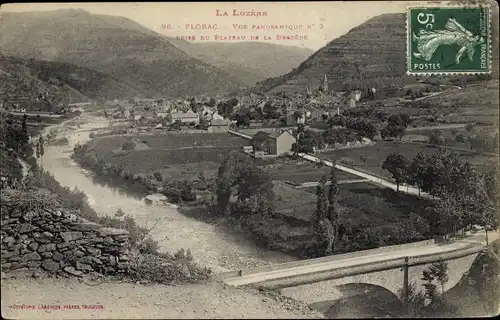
(210, 245)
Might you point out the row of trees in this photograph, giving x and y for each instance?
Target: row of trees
(326, 218)
(341, 131)
(465, 195)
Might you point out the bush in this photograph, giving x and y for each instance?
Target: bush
(128, 145)
(461, 138)
(167, 269)
(149, 246)
(470, 127)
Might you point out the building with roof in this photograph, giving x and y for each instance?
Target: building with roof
(185, 117)
(218, 125)
(277, 143)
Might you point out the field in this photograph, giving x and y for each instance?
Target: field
(449, 136)
(300, 171)
(177, 157)
(485, 93)
(293, 202)
(370, 205)
(359, 204)
(169, 141)
(371, 158)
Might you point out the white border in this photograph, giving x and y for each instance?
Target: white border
(438, 5)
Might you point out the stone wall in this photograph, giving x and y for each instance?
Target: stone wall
(58, 241)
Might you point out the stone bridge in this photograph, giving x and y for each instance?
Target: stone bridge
(319, 282)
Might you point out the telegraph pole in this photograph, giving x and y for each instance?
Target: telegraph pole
(405, 284)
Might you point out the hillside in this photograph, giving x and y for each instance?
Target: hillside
(62, 81)
(116, 46)
(248, 61)
(374, 51)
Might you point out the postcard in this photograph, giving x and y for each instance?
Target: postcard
(249, 159)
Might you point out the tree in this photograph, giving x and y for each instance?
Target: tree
(337, 120)
(321, 201)
(158, 176)
(224, 183)
(416, 300)
(439, 270)
(461, 138)
(417, 170)
(37, 150)
(211, 103)
(243, 117)
(363, 128)
(202, 179)
(307, 142)
(436, 138)
(333, 215)
(397, 165)
(254, 187)
(400, 119)
(393, 131)
(204, 124)
(429, 286)
(40, 149)
(128, 145)
(255, 191)
(270, 111)
(297, 115)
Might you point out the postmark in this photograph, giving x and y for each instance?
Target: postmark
(448, 40)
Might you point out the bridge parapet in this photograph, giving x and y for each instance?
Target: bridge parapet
(336, 257)
(364, 268)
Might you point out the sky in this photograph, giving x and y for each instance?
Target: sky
(302, 19)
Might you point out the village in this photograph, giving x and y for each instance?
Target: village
(269, 175)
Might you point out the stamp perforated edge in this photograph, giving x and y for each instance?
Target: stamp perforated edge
(452, 73)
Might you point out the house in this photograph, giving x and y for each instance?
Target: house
(185, 117)
(292, 120)
(281, 142)
(276, 143)
(218, 125)
(353, 97)
(126, 113)
(260, 142)
(317, 114)
(216, 116)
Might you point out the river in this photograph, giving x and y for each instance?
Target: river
(211, 245)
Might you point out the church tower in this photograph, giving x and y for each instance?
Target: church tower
(325, 84)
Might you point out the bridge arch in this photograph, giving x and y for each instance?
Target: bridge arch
(361, 300)
(390, 280)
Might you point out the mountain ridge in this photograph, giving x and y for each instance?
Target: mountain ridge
(248, 60)
(373, 52)
(22, 77)
(116, 46)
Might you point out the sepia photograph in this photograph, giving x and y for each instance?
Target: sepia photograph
(263, 160)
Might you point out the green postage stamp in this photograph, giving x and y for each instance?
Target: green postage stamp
(448, 40)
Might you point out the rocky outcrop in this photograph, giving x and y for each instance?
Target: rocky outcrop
(54, 240)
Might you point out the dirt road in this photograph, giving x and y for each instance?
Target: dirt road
(133, 301)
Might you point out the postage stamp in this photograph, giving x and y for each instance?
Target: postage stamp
(448, 40)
